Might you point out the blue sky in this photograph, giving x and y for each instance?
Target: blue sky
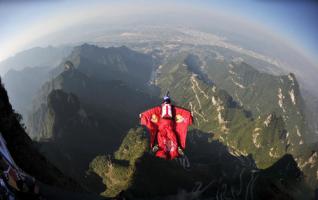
(293, 20)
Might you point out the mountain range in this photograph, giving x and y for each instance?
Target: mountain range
(85, 121)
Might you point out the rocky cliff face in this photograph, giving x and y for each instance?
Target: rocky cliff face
(23, 149)
(217, 113)
(247, 115)
(76, 111)
(263, 93)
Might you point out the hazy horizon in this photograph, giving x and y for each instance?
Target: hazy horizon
(27, 24)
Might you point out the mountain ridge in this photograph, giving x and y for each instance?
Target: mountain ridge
(24, 151)
(102, 89)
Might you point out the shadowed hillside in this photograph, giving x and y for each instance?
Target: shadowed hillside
(23, 150)
(209, 170)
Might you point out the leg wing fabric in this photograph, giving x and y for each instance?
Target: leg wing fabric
(183, 119)
(150, 118)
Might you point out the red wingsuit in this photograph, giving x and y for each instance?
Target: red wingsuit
(167, 130)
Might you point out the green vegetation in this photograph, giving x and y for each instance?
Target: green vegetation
(117, 172)
(137, 174)
(263, 93)
(240, 131)
(216, 112)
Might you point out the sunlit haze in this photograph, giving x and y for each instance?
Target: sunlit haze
(25, 22)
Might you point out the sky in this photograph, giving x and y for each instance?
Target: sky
(23, 22)
(293, 20)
